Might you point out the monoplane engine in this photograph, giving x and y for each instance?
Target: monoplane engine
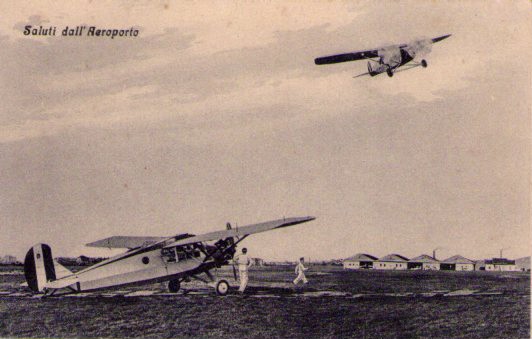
(419, 48)
(390, 56)
(223, 250)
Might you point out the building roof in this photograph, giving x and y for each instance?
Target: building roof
(457, 259)
(393, 257)
(362, 257)
(424, 258)
(500, 261)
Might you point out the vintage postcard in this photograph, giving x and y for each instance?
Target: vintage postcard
(265, 169)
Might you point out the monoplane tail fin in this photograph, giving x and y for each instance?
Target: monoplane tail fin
(39, 267)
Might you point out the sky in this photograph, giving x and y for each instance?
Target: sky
(216, 112)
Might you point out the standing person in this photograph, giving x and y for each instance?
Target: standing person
(244, 262)
(300, 271)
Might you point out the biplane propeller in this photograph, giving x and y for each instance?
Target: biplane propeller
(174, 259)
(387, 59)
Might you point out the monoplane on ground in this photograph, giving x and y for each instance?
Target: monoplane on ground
(175, 259)
(387, 59)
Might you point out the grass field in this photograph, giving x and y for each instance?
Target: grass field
(373, 305)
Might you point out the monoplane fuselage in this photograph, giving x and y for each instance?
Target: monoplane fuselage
(173, 259)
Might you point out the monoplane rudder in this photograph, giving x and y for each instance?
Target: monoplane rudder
(39, 267)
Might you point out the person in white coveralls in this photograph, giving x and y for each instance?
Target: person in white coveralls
(300, 271)
(244, 262)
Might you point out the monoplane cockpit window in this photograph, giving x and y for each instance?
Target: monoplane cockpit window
(191, 251)
(179, 253)
(169, 255)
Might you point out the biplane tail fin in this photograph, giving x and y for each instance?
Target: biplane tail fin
(39, 267)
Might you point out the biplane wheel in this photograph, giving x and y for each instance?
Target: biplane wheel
(424, 63)
(389, 72)
(174, 285)
(222, 287)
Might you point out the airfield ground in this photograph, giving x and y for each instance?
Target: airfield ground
(336, 304)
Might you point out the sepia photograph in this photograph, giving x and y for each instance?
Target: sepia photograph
(265, 169)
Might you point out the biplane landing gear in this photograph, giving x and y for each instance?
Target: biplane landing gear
(424, 63)
(174, 285)
(222, 287)
(389, 72)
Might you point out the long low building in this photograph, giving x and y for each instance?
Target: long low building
(500, 264)
(8, 260)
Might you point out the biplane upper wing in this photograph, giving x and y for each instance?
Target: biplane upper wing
(337, 58)
(242, 231)
(126, 242)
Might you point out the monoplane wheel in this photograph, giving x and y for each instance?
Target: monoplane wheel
(424, 63)
(222, 287)
(174, 285)
(390, 73)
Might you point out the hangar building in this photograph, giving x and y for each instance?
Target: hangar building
(360, 260)
(391, 262)
(423, 262)
(457, 263)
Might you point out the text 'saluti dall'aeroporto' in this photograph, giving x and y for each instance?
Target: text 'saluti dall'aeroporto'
(73, 31)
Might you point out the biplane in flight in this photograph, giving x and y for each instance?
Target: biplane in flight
(387, 59)
(174, 259)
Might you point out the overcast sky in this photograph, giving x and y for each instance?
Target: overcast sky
(216, 112)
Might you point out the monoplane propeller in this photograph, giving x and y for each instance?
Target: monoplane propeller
(228, 226)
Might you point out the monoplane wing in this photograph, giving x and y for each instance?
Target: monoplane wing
(126, 242)
(337, 58)
(440, 38)
(372, 53)
(242, 231)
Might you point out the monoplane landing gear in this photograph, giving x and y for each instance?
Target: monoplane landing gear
(389, 72)
(222, 287)
(424, 63)
(174, 285)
